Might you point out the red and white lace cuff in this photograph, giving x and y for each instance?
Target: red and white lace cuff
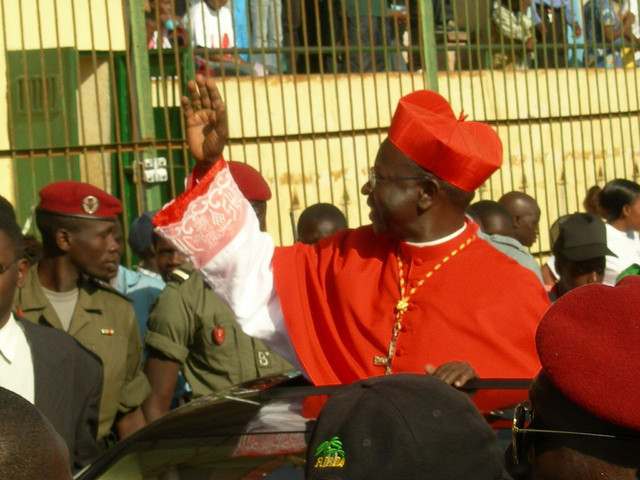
(206, 217)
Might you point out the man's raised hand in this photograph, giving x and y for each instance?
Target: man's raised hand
(206, 120)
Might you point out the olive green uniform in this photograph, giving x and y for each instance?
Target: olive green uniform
(104, 322)
(191, 325)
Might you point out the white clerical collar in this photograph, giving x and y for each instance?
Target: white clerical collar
(440, 241)
(9, 337)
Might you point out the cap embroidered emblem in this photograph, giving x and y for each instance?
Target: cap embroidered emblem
(90, 204)
(330, 454)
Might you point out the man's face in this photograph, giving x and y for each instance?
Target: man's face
(633, 214)
(12, 278)
(94, 248)
(119, 237)
(526, 224)
(393, 204)
(167, 257)
(576, 274)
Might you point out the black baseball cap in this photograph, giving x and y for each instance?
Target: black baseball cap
(402, 426)
(580, 236)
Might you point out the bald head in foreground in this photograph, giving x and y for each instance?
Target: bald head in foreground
(30, 449)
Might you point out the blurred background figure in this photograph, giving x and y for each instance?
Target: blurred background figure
(163, 27)
(512, 28)
(526, 216)
(496, 227)
(605, 31)
(266, 31)
(211, 25)
(319, 221)
(552, 18)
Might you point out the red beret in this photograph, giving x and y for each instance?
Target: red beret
(588, 347)
(252, 185)
(79, 199)
(424, 128)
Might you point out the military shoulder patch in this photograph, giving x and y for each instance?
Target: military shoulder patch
(180, 274)
(330, 454)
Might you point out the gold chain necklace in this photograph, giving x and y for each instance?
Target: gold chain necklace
(403, 304)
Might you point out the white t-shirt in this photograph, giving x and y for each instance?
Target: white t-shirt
(627, 250)
(210, 28)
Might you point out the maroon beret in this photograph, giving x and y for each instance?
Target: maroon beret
(252, 185)
(588, 347)
(79, 199)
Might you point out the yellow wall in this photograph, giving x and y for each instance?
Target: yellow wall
(549, 152)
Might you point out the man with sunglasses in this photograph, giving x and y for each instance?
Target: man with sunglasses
(583, 418)
(414, 291)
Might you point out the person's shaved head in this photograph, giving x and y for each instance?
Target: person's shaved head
(319, 221)
(30, 448)
(525, 213)
(494, 218)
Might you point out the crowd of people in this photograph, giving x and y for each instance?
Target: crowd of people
(435, 292)
(524, 33)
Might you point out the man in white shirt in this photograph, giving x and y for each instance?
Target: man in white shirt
(45, 366)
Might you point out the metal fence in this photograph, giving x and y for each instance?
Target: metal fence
(93, 86)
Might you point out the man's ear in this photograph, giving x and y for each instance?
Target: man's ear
(63, 239)
(427, 194)
(23, 271)
(625, 211)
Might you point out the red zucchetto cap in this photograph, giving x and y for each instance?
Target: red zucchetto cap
(79, 199)
(588, 347)
(250, 182)
(424, 128)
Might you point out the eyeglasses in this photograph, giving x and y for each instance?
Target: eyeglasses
(375, 177)
(524, 414)
(4, 268)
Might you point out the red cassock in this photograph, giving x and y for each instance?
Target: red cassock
(339, 299)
